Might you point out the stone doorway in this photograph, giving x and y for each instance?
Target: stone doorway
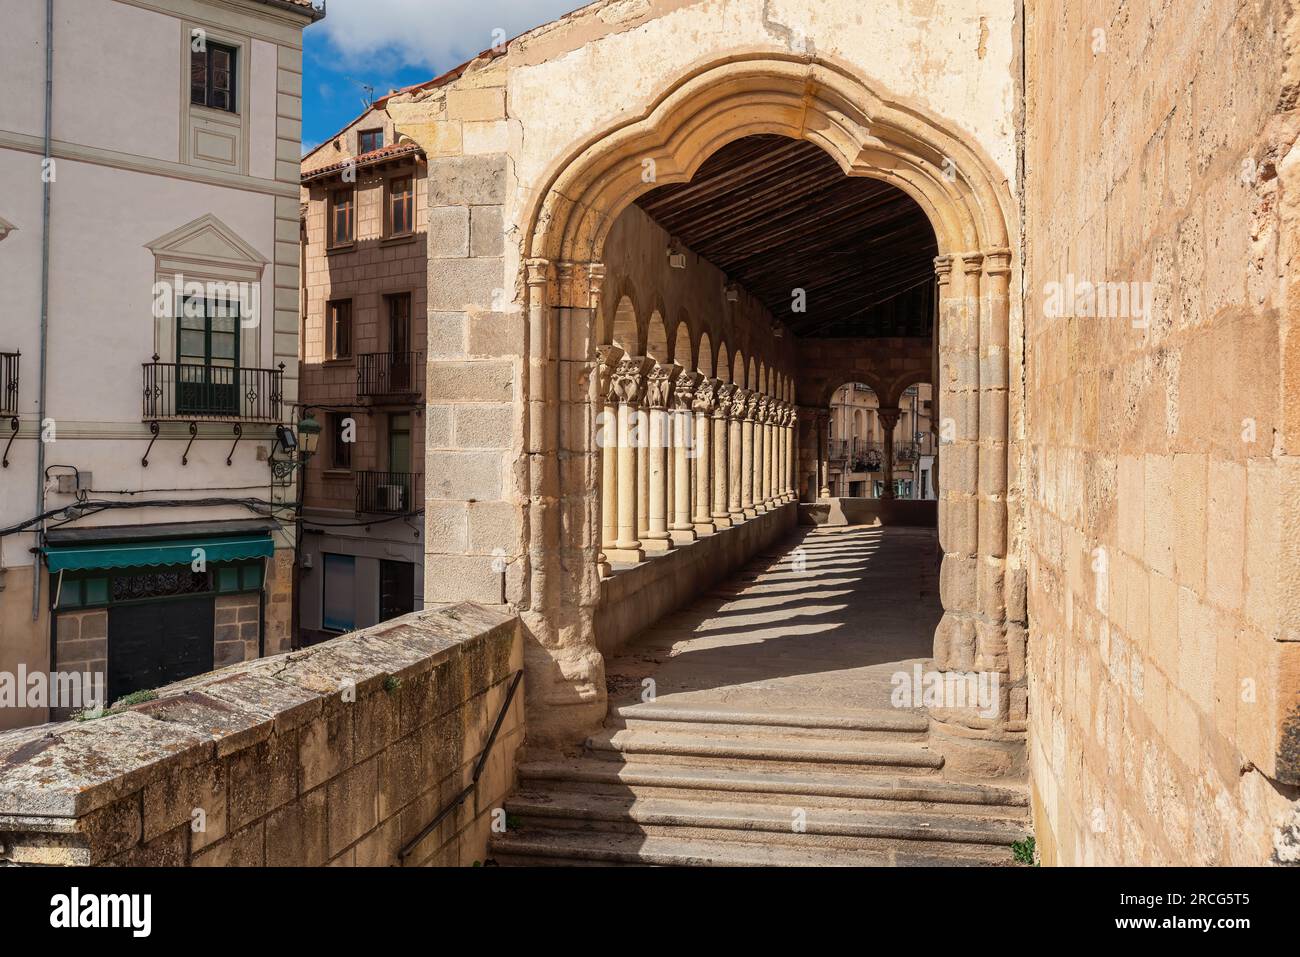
(576, 365)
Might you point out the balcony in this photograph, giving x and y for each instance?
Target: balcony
(390, 376)
(9, 383)
(389, 493)
(192, 393)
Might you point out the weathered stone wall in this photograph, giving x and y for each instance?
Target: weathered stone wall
(339, 754)
(634, 598)
(474, 427)
(1165, 653)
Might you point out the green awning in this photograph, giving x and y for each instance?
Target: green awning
(160, 552)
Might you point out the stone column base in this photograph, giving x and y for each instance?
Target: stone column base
(682, 536)
(705, 528)
(625, 555)
(656, 544)
(996, 751)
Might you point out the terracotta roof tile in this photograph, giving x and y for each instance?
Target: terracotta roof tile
(380, 155)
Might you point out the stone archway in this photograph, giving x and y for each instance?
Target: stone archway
(868, 135)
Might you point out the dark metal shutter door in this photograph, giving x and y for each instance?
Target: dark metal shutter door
(156, 643)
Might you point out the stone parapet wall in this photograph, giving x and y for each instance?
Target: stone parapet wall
(338, 754)
(636, 596)
(1164, 659)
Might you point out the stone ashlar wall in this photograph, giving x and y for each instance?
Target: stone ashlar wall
(1164, 557)
(338, 754)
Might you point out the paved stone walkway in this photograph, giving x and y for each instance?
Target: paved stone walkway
(771, 738)
(819, 627)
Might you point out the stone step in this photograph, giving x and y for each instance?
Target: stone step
(768, 783)
(859, 725)
(752, 751)
(721, 820)
(528, 847)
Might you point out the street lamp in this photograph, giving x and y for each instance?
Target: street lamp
(308, 434)
(304, 442)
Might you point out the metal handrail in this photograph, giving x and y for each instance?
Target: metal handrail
(191, 391)
(9, 382)
(390, 374)
(469, 789)
(390, 493)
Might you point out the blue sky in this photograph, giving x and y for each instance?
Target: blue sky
(389, 44)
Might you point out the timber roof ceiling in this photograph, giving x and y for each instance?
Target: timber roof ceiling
(777, 214)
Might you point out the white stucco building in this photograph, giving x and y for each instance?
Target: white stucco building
(147, 535)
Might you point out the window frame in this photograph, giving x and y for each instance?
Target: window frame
(390, 199)
(332, 326)
(211, 47)
(361, 140)
(334, 205)
(340, 451)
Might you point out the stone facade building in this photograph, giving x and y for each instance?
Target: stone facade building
(365, 279)
(150, 333)
(711, 214)
(860, 432)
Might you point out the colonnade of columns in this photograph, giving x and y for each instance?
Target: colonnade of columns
(684, 455)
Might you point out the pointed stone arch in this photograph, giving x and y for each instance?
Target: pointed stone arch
(869, 134)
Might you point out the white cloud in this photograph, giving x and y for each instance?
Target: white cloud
(437, 34)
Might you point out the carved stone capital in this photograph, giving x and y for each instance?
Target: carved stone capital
(684, 390)
(537, 272)
(972, 263)
(627, 384)
(659, 384)
(943, 269)
(997, 262)
(706, 396)
(607, 358)
(726, 400)
(742, 403)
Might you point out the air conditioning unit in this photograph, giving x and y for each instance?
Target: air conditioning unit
(391, 498)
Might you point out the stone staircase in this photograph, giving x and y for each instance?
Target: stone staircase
(664, 785)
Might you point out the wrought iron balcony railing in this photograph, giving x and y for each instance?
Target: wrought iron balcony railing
(390, 493)
(196, 392)
(9, 383)
(387, 375)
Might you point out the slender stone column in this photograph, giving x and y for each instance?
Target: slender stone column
(760, 412)
(726, 456)
(749, 409)
(640, 437)
(607, 441)
(659, 390)
(958, 387)
(778, 455)
(823, 465)
(704, 404)
(888, 422)
(681, 527)
(784, 473)
(791, 445)
(768, 454)
(735, 416)
(628, 382)
(994, 628)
